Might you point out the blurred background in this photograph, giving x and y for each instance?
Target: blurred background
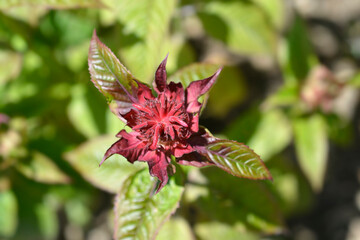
(289, 90)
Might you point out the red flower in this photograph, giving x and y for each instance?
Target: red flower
(164, 125)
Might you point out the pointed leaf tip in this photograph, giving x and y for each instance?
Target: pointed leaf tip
(159, 83)
(198, 88)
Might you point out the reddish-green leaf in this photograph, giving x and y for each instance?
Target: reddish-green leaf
(138, 213)
(237, 159)
(110, 76)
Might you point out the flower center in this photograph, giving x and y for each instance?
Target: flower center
(162, 121)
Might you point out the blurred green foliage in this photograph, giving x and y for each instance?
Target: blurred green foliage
(59, 125)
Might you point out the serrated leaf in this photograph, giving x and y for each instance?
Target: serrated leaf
(312, 148)
(148, 22)
(51, 4)
(245, 28)
(8, 216)
(138, 213)
(272, 135)
(236, 159)
(110, 76)
(250, 205)
(42, 169)
(110, 176)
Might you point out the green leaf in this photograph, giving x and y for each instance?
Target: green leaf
(139, 214)
(110, 176)
(176, 229)
(10, 66)
(275, 11)
(88, 113)
(285, 96)
(80, 113)
(146, 25)
(245, 27)
(8, 216)
(51, 4)
(27, 14)
(40, 168)
(236, 159)
(110, 76)
(312, 148)
(248, 205)
(218, 230)
(272, 135)
(296, 55)
(244, 126)
(355, 81)
(47, 219)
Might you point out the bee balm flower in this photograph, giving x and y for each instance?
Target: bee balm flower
(163, 125)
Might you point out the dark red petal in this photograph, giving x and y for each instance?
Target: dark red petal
(128, 146)
(194, 159)
(176, 92)
(195, 123)
(160, 77)
(130, 118)
(180, 151)
(198, 88)
(143, 92)
(196, 143)
(200, 138)
(158, 163)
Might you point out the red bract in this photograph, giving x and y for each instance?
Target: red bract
(164, 125)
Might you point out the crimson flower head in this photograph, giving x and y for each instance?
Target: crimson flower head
(165, 123)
